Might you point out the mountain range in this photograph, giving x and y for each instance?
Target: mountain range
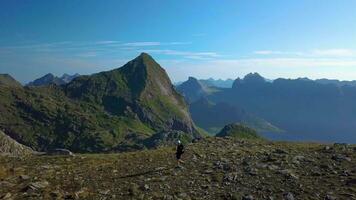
(132, 107)
(51, 79)
(221, 83)
(303, 108)
(213, 116)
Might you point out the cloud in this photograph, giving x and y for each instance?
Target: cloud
(143, 44)
(334, 52)
(107, 42)
(312, 53)
(185, 54)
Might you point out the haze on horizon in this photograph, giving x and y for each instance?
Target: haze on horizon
(219, 39)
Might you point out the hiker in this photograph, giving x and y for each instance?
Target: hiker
(179, 152)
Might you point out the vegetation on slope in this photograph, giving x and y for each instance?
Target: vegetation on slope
(214, 168)
(116, 110)
(7, 80)
(238, 131)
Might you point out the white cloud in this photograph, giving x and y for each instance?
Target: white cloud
(312, 53)
(142, 44)
(185, 54)
(334, 52)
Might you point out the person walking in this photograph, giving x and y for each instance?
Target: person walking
(179, 153)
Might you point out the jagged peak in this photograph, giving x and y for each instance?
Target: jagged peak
(254, 77)
(49, 75)
(191, 78)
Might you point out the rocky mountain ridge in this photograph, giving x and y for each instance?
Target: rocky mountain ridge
(117, 110)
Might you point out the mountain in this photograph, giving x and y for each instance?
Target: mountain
(7, 80)
(213, 116)
(237, 130)
(193, 89)
(9, 146)
(46, 80)
(306, 109)
(336, 82)
(68, 78)
(117, 110)
(51, 79)
(220, 83)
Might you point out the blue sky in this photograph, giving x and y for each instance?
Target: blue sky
(215, 38)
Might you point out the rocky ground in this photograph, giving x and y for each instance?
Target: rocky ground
(214, 168)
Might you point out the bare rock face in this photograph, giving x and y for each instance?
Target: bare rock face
(9, 146)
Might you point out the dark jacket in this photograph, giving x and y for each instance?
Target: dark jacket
(180, 149)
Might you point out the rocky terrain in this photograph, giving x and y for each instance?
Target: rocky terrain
(213, 168)
(9, 146)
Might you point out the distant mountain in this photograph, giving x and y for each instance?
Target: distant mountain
(9, 146)
(218, 82)
(336, 82)
(68, 78)
(193, 89)
(117, 110)
(237, 130)
(7, 80)
(51, 79)
(306, 109)
(213, 116)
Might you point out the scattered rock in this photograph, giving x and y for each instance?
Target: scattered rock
(145, 187)
(288, 196)
(280, 151)
(340, 157)
(24, 177)
(329, 197)
(287, 173)
(64, 152)
(35, 186)
(7, 196)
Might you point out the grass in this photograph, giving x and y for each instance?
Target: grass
(208, 166)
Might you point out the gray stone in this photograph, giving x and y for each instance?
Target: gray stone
(288, 196)
(24, 177)
(35, 186)
(329, 197)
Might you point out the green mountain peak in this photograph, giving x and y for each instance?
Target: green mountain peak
(120, 109)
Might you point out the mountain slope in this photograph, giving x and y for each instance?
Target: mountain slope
(9, 146)
(193, 89)
(306, 109)
(115, 110)
(214, 116)
(51, 79)
(237, 130)
(7, 80)
(46, 80)
(141, 87)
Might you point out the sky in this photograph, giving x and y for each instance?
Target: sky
(200, 38)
